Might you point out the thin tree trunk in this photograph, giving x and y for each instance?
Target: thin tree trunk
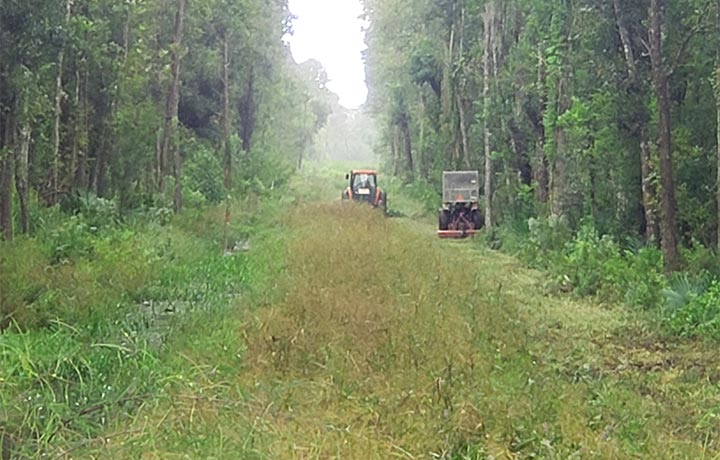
(6, 174)
(447, 75)
(395, 150)
(541, 177)
(463, 130)
(407, 147)
(76, 132)
(226, 147)
(169, 139)
(80, 180)
(422, 151)
(488, 19)
(58, 110)
(177, 58)
(646, 169)
(717, 127)
(649, 192)
(625, 39)
(717, 132)
(22, 161)
(660, 82)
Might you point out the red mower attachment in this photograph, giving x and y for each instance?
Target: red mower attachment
(455, 234)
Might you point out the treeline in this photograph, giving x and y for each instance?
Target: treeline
(579, 110)
(148, 102)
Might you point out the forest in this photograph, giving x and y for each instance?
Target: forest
(179, 278)
(594, 126)
(596, 112)
(148, 103)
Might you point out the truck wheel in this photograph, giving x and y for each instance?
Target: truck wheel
(478, 219)
(443, 219)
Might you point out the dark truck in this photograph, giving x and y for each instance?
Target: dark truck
(460, 215)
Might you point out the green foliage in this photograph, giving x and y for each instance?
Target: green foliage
(698, 314)
(203, 173)
(586, 263)
(84, 340)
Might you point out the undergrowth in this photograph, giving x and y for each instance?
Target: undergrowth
(91, 303)
(587, 264)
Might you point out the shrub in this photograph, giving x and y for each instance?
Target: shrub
(203, 177)
(586, 259)
(546, 239)
(699, 315)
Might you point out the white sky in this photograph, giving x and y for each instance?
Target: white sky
(330, 31)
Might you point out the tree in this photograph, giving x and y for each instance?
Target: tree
(662, 93)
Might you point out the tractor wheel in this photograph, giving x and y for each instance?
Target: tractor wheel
(382, 202)
(443, 219)
(478, 219)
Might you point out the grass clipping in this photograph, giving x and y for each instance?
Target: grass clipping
(370, 354)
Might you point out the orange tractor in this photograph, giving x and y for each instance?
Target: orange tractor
(363, 187)
(460, 215)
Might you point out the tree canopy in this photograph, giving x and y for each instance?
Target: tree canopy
(149, 102)
(575, 109)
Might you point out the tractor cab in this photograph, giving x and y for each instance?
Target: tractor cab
(363, 187)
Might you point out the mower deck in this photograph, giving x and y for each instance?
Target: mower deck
(456, 233)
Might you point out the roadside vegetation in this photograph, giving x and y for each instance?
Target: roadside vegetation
(382, 342)
(93, 302)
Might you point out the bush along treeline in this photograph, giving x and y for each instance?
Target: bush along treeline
(594, 126)
(148, 103)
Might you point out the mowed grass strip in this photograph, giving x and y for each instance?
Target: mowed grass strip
(386, 343)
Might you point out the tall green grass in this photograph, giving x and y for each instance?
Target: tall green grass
(90, 308)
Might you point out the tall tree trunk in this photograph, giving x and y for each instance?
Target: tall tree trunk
(488, 20)
(395, 149)
(422, 150)
(407, 147)
(176, 90)
(541, 176)
(717, 132)
(58, 109)
(463, 130)
(80, 180)
(170, 144)
(649, 192)
(248, 109)
(625, 39)
(649, 198)
(226, 147)
(447, 85)
(22, 157)
(662, 90)
(76, 132)
(6, 175)
(717, 120)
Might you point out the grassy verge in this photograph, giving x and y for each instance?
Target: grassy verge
(93, 314)
(385, 343)
(362, 337)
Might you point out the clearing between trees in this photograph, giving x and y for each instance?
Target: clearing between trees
(375, 341)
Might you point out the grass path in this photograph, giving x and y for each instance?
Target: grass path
(378, 341)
